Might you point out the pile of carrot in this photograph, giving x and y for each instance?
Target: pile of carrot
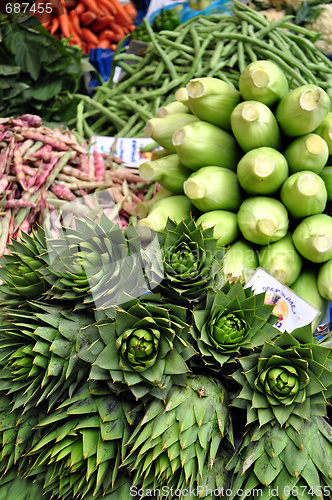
(48, 172)
(89, 24)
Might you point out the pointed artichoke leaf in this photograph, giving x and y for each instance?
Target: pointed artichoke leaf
(294, 459)
(174, 363)
(154, 374)
(108, 359)
(267, 469)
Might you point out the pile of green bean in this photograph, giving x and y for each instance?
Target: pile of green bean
(220, 46)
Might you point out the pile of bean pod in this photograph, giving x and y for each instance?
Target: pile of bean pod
(220, 45)
(44, 169)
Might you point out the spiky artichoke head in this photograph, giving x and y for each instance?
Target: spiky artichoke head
(288, 381)
(83, 443)
(16, 435)
(21, 269)
(274, 462)
(187, 262)
(143, 349)
(231, 322)
(96, 265)
(38, 353)
(178, 439)
(18, 488)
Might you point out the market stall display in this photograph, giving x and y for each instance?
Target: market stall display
(151, 343)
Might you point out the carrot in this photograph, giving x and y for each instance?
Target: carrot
(110, 35)
(131, 10)
(121, 16)
(101, 23)
(91, 46)
(89, 36)
(65, 24)
(92, 6)
(70, 4)
(107, 35)
(110, 6)
(80, 8)
(75, 20)
(87, 18)
(47, 24)
(118, 29)
(105, 44)
(55, 23)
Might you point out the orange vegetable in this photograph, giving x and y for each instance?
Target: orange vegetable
(80, 8)
(104, 44)
(65, 23)
(55, 23)
(121, 16)
(110, 6)
(89, 36)
(92, 6)
(88, 17)
(70, 4)
(131, 10)
(110, 35)
(75, 20)
(101, 23)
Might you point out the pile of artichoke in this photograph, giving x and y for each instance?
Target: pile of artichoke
(135, 370)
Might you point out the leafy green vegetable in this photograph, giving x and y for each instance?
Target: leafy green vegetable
(37, 71)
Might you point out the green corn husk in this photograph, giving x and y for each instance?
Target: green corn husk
(200, 144)
(161, 130)
(254, 125)
(324, 280)
(171, 109)
(303, 194)
(324, 130)
(145, 206)
(308, 152)
(281, 260)
(262, 171)
(313, 238)
(213, 188)
(181, 95)
(306, 287)
(213, 100)
(175, 207)
(302, 110)
(326, 175)
(263, 81)
(224, 224)
(168, 171)
(240, 262)
(262, 220)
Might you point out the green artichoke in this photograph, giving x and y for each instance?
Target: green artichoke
(231, 322)
(95, 265)
(289, 380)
(187, 262)
(275, 462)
(38, 350)
(16, 435)
(21, 270)
(83, 443)
(144, 349)
(13, 487)
(178, 439)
